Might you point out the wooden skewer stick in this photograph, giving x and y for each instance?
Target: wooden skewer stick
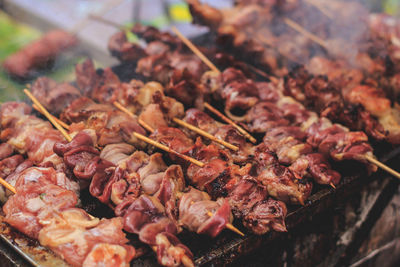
(125, 110)
(228, 225)
(382, 166)
(306, 33)
(122, 108)
(155, 143)
(12, 189)
(202, 57)
(205, 134)
(48, 115)
(291, 24)
(258, 71)
(198, 53)
(105, 21)
(185, 260)
(119, 26)
(7, 185)
(180, 122)
(321, 8)
(210, 214)
(195, 49)
(104, 9)
(227, 120)
(63, 124)
(146, 126)
(167, 149)
(318, 40)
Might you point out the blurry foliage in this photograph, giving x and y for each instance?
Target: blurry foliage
(180, 12)
(13, 35)
(392, 7)
(132, 38)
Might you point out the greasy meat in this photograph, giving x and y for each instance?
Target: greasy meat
(111, 126)
(52, 95)
(29, 134)
(193, 211)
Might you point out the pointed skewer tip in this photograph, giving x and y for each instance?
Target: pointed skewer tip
(382, 166)
(195, 50)
(301, 201)
(228, 225)
(294, 25)
(234, 229)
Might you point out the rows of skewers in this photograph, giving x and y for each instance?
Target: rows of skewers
(343, 65)
(200, 184)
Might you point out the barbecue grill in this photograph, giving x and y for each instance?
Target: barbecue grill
(230, 249)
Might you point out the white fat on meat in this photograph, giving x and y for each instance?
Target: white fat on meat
(117, 153)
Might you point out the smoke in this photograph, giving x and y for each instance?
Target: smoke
(344, 33)
(8, 92)
(339, 29)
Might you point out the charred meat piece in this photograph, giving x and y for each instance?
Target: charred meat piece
(29, 134)
(111, 126)
(249, 201)
(53, 96)
(174, 138)
(326, 99)
(227, 133)
(121, 48)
